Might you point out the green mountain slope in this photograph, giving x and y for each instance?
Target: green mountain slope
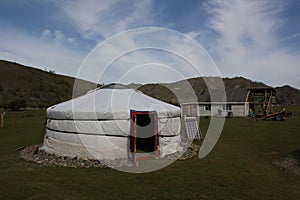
(41, 88)
(288, 95)
(165, 92)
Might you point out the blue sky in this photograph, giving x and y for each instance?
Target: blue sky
(259, 40)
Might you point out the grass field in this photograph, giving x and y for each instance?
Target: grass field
(239, 167)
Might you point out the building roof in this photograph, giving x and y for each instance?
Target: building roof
(232, 95)
(236, 95)
(262, 89)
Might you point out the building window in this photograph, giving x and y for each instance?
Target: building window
(227, 107)
(188, 110)
(207, 107)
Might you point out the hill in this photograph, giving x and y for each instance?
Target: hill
(39, 88)
(42, 88)
(164, 91)
(288, 95)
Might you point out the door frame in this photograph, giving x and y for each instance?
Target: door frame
(133, 138)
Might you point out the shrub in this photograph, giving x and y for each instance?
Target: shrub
(17, 104)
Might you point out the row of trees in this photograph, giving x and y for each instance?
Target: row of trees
(15, 104)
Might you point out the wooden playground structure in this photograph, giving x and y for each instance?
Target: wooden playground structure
(263, 104)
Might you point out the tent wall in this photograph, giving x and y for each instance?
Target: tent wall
(169, 145)
(100, 147)
(106, 148)
(166, 126)
(104, 139)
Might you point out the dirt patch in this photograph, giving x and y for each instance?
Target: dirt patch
(290, 163)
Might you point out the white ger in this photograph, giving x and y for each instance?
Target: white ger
(112, 122)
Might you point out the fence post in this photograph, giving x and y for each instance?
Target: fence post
(13, 121)
(2, 119)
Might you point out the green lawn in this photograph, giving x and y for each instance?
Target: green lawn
(239, 167)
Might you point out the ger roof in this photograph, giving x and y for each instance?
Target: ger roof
(113, 101)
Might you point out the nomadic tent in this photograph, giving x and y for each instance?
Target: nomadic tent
(112, 122)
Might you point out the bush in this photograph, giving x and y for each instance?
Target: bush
(4, 105)
(17, 104)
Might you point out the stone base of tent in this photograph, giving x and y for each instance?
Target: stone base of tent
(35, 154)
(44, 158)
(109, 148)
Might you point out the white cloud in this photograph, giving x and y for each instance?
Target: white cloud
(242, 37)
(47, 33)
(40, 52)
(71, 40)
(192, 34)
(94, 19)
(248, 43)
(147, 49)
(58, 35)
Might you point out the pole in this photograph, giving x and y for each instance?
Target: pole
(13, 121)
(2, 119)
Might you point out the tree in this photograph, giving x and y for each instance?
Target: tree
(4, 105)
(17, 104)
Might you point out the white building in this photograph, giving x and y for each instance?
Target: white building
(237, 105)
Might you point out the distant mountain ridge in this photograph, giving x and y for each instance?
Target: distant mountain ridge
(41, 88)
(286, 95)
